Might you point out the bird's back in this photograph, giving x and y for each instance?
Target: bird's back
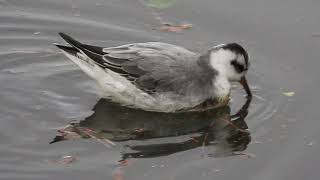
(165, 68)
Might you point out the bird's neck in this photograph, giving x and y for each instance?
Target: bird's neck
(220, 81)
(221, 86)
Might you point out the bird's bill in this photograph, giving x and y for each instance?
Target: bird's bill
(243, 82)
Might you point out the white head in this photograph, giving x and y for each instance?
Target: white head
(230, 60)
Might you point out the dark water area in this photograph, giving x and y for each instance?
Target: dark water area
(41, 91)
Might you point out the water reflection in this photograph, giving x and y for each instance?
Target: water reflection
(151, 134)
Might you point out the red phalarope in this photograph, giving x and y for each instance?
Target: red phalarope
(156, 76)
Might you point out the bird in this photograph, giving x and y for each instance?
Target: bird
(162, 77)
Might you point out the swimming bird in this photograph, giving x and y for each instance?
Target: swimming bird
(162, 77)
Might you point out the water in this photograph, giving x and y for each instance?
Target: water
(41, 91)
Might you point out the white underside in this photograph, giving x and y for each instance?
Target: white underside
(120, 90)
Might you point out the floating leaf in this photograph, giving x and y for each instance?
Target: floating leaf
(124, 162)
(175, 29)
(161, 4)
(289, 93)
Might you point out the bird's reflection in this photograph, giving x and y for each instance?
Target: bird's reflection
(153, 134)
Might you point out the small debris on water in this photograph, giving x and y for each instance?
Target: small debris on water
(124, 162)
(288, 93)
(36, 33)
(65, 160)
(175, 28)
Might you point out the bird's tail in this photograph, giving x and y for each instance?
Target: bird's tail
(67, 49)
(76, 44)
(76, 55)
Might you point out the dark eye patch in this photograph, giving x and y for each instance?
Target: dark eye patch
(238, 67)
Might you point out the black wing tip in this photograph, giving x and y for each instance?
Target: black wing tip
(69, 49)
(59, 45)
(81, 46)
(70, 40)
(64, 35)
(61, 33)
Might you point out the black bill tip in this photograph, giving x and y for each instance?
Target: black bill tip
(246, 87)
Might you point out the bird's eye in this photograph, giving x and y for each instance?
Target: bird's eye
(238, 67)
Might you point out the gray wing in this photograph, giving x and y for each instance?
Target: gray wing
(159, 67)
(154, 67)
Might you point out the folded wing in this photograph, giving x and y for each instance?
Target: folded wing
(153, 67)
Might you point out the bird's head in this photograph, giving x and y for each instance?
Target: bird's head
(231, 61)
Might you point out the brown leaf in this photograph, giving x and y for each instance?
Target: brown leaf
(175, 29)
(124, 162)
